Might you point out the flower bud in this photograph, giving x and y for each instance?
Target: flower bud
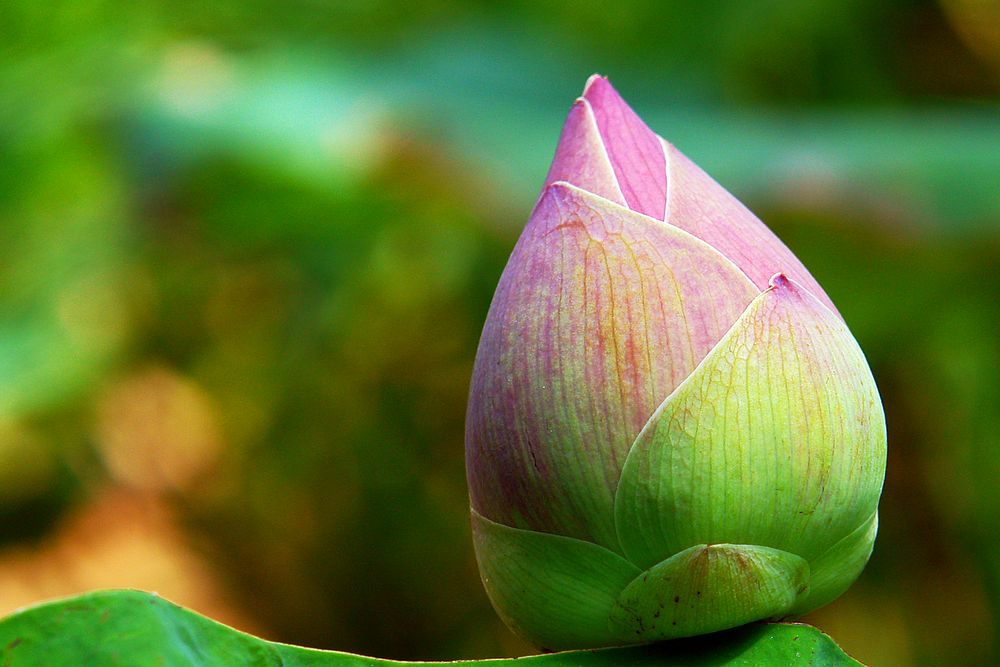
(670, 429)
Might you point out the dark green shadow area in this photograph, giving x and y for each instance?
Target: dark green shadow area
(139, 628)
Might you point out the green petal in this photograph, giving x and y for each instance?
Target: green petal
(708, 588)
(837, 569)
(557, 592)
(776, 439)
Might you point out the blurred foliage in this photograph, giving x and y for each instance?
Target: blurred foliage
(247, 249)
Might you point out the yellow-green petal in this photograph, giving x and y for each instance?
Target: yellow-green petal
(776, 439)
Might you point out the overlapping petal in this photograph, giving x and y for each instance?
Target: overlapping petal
(777, 439)
(599, 314)
(837, 568)
(581, 158)
(633, 149)
(607, 149)
(670, 429)
(703, 208)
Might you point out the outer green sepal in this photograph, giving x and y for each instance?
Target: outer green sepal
(836, 569)
(710, 587)
(557, 592)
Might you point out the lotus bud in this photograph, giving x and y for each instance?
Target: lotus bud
(670, 429)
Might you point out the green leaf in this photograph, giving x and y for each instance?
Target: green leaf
(137, 628)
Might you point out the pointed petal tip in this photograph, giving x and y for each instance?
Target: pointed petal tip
(782, 285)
(779, 281)
(565, 193)
(636, 155)
(581, 157)
(557, 190)
(556, 197)
(594, 78)
(581, 105)
(600, 93)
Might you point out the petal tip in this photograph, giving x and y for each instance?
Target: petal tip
(557, 189)
(784, 287)
(594, 78)
(779, 281)
(557, 194)
(637, 158)
(581, 105)
(600, 93)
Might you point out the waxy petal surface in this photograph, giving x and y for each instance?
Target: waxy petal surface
(703, 208)
(581, 158)
(606, 149)
(634, 150)
(599, 315)
(743, 450)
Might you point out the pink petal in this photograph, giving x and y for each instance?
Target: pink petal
(599, 314)
(702, 207)
(635, 152)
(580, 157)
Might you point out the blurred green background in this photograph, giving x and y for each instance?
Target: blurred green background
(246, 250)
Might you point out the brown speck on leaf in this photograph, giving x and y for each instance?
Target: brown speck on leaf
(14, 644)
